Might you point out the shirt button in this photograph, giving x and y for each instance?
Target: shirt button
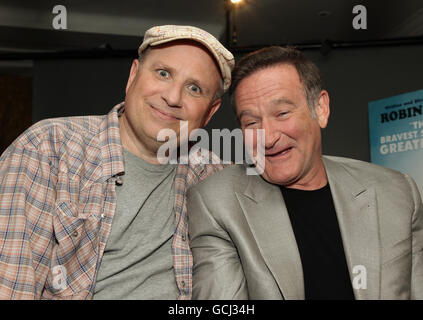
(184, 238)
(102, 216)
(183, 284)
(119, 181)
(75, 233)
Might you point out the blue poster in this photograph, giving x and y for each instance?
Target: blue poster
(396, 134)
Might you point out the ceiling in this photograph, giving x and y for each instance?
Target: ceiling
(26, 25)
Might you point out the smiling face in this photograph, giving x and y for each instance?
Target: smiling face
(175, 81)
(273, 99)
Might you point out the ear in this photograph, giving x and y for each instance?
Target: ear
(132, 74)
(322, 109)
(212, 110)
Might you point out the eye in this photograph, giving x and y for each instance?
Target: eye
(249, 123)
(163, 73)
(282, 114)
(194, 88)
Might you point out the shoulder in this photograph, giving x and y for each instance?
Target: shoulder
(385, 181)
(200, 165)
(365, 171)
(59, 130)
(223, 182)
(49, 140)
(219, 194)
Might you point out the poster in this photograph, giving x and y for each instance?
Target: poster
(396, 134)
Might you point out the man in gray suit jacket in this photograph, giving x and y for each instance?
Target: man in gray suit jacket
(310, 226)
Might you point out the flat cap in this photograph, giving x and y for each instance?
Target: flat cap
(167, 33)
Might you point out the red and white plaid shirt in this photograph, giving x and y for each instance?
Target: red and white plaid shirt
(57, 201)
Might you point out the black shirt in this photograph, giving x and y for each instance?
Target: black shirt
(315, 225)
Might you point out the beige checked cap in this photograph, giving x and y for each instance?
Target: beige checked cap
(162, 34)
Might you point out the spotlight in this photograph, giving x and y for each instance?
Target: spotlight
(236, 1)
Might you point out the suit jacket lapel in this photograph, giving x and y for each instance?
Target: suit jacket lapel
(356, 211)
(269, 222)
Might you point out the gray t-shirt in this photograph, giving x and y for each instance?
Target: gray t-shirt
(137, 261)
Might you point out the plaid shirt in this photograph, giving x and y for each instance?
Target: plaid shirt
(57, 201)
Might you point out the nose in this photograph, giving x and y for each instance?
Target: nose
(271, 133)
(172, 94)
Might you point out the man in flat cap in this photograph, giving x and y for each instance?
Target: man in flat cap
(87, 210)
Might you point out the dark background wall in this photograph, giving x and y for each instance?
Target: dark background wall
(15, 107)
(73, 87)
(353, 77)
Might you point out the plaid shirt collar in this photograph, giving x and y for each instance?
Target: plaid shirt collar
(110, 143)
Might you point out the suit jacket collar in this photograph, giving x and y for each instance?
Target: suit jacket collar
(269, 222)
(355, 205)
(356, 209)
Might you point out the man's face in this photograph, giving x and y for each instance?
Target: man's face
(174, 82)
(273, 99)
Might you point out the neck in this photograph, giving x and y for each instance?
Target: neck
(315, 179)
(131, 142)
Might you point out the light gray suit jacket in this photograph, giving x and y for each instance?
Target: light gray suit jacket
(244, 246)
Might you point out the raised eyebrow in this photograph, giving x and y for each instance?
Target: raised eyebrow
(161, 65)
(199, 84)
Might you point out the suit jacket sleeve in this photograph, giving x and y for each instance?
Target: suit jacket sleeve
(217, 270)
(417, 244)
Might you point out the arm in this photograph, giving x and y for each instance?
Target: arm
(25, 222)
(217, 270)
(417, 243)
